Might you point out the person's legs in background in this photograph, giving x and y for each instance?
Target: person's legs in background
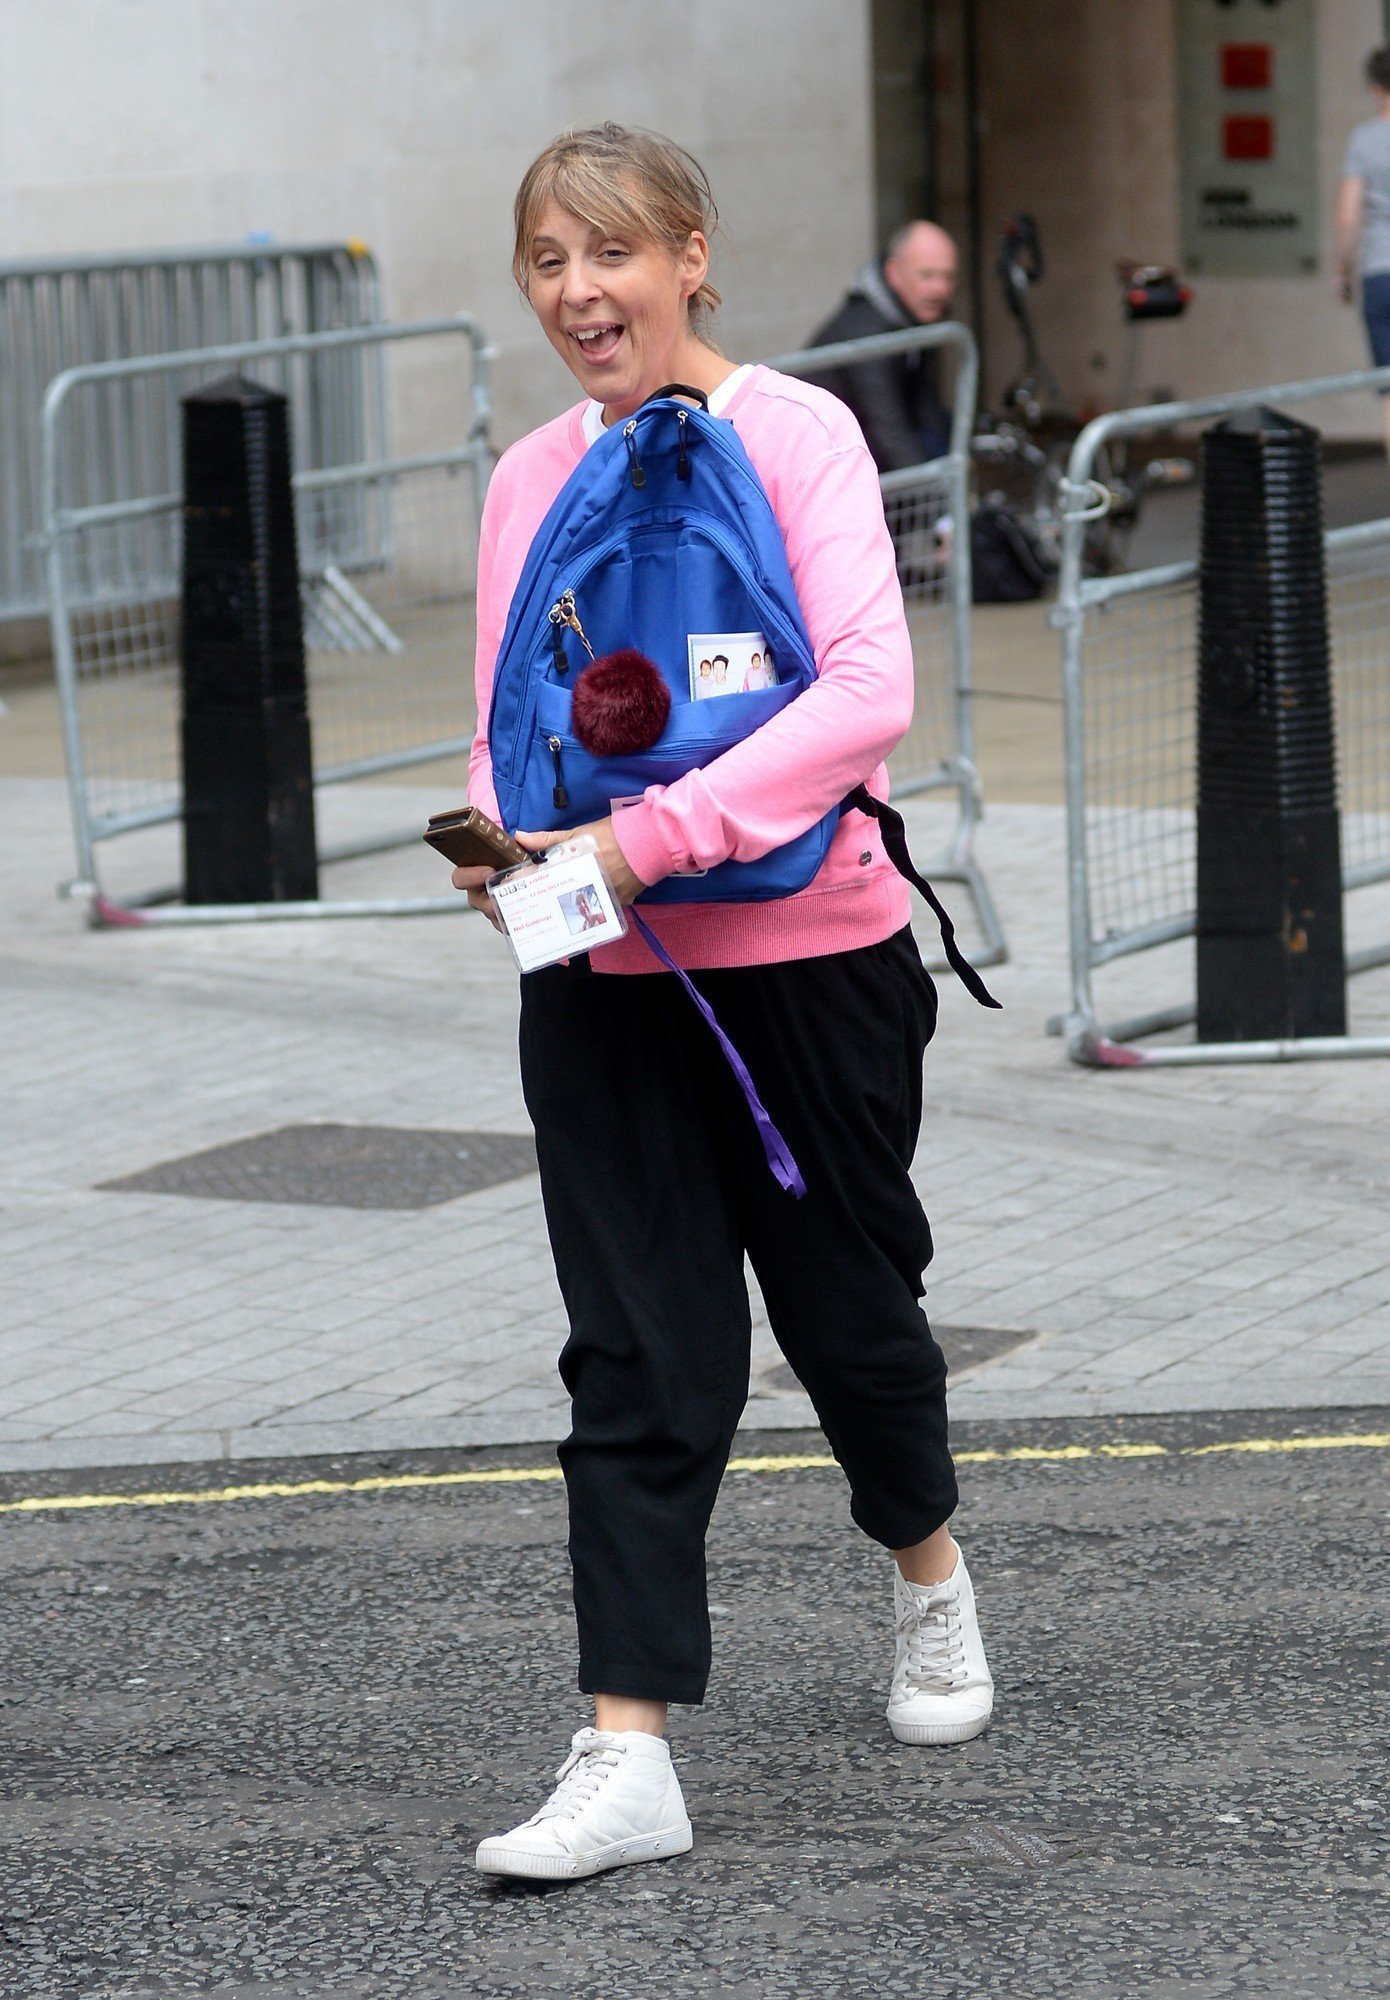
(1375, 307)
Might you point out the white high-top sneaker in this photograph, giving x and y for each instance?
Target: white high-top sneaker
(618, 1800)
(942, 1690)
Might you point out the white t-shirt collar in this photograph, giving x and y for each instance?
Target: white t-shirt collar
(719, 400)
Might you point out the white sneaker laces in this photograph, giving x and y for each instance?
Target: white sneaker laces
(931, 1627)
(591, 1762)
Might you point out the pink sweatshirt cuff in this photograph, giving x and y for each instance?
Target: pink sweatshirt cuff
(634, 829)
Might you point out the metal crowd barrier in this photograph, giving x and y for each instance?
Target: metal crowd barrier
(928, 508)
(387, 550)
(1129, 678)
(85, 310)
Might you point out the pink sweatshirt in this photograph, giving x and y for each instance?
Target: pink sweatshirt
(811, 456)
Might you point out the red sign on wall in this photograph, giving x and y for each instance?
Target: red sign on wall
(1247, 138)
(1247, 66)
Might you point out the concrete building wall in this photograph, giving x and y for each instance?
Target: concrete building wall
(1079, 111)
(149, 123)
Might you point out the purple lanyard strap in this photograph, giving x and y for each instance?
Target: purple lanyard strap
(779, 1156)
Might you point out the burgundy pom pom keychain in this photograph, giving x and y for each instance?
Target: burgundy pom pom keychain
(620, 704)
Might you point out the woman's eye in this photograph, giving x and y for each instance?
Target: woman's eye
(613, 251)
(547, 266)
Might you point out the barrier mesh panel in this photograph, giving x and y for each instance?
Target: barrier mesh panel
(1140, 679)
(122, 581)
(388, 641)
(921, 524)
(1359, 606)
(1139, 692)
(387, 566)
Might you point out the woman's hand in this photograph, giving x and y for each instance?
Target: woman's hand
(473, 881)
(626, 886)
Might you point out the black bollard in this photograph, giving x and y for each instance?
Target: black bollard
(1270, 953)
(247, 766)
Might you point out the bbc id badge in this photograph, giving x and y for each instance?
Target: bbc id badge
(558, 907)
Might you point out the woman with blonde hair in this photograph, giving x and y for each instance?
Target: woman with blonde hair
(653, 1181)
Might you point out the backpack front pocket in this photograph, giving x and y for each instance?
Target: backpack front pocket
(696, 733)
(566, 785)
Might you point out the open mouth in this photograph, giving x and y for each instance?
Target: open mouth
(598, 343)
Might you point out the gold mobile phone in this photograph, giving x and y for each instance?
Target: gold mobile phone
(470, 839)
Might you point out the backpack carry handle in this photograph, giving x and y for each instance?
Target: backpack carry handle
(681, 389)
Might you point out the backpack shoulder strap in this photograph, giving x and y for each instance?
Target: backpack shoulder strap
(895, 844)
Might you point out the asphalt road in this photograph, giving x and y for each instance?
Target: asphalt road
(248, 1744)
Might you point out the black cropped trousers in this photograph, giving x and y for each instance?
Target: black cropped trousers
(655, 1185)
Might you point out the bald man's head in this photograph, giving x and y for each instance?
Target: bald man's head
(921, 267)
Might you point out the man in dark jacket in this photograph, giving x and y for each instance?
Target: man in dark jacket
(897, 400)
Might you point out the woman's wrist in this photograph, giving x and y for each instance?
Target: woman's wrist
(627, 883)
(635, 839)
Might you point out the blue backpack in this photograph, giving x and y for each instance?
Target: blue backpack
(663, 532)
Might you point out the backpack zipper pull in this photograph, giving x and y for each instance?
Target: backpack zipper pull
(562, 616)
(570, 617)
(639, 478)
(560, 796)
(682, 462)
(557, 640)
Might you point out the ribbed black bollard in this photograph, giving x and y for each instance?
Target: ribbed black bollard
(1270, 952)
(247, 767)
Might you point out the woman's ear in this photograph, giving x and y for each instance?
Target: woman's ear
(694, 263)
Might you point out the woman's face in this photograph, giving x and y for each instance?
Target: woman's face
(614, 308)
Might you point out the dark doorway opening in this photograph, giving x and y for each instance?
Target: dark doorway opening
(926, 129)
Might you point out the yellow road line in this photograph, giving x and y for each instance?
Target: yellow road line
(508, 1475)
(1298, 1444)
